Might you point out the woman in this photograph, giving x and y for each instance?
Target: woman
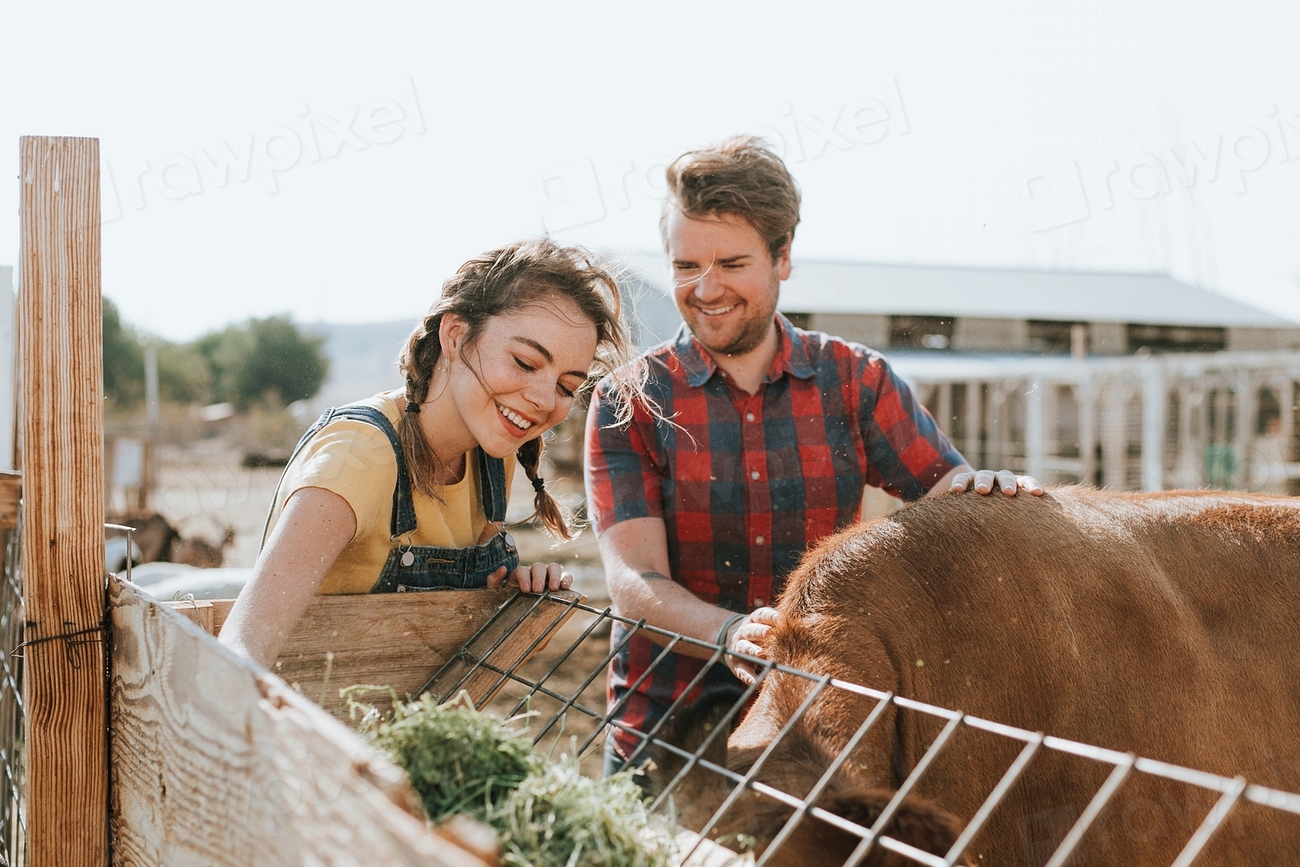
(406, 491)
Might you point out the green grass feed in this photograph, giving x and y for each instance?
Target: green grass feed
(559, 818)
(458, 760)
(546, 814)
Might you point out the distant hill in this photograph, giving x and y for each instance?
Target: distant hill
(363, 359)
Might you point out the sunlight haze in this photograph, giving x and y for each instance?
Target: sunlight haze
(337, 162)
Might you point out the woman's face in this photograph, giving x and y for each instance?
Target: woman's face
(529, 363)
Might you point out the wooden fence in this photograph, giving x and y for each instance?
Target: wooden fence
(216, 762)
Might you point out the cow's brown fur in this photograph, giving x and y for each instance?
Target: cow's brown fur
(1165, 624)
(794, 770)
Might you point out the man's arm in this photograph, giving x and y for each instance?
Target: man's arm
(635, 553)
(913, 449)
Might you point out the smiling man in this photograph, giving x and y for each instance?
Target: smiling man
(760, 443)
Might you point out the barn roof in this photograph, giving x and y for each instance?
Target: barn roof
(823, 286)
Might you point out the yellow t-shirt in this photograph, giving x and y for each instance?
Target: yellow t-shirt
(355, 460)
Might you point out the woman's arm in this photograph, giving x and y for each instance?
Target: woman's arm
(313, 530)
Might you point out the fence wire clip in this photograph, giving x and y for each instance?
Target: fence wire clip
(76, 638)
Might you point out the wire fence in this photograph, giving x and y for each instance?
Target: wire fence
(12, 818)
(564, 691)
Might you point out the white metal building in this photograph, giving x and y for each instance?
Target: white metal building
(1127, 381)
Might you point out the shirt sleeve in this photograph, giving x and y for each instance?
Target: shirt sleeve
(354, 460)
(906, 452)
(622, 476)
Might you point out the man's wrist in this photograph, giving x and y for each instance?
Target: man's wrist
(731, 621)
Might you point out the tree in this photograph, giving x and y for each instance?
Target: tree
(123, 358)
(183, 373)
(242, 364)
(261, 357)
(283, 360)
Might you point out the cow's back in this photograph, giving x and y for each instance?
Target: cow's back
(1163, 625)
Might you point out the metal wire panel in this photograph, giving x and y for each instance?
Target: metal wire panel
(12, 823)
(564, 692)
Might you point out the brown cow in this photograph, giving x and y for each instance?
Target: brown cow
(1166, 625)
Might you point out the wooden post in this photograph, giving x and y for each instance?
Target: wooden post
(62, 432)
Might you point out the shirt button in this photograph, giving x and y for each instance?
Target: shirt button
(749, 416)
(758, 540)
(754, 475)
(758, 601)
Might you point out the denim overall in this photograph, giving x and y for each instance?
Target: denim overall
(430, 567)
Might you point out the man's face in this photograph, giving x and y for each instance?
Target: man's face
(725, 282)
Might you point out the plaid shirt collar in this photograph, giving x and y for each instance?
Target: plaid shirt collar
(791, 358)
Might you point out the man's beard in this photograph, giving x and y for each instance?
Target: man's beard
(750, 337)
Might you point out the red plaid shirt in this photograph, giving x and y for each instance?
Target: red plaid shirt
(745, 484)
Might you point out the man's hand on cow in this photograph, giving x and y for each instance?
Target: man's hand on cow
(748, 636)
(985, 481)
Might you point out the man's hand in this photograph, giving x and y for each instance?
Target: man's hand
(985, 481)
(749, 636)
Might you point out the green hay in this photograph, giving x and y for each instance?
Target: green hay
(458, 760)
(559, 818)
(545, 814)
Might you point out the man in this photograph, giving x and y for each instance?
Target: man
(756, 442)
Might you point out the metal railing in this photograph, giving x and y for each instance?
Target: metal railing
(12, 817)
(577, 704)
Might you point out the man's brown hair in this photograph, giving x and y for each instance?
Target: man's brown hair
(740, 176)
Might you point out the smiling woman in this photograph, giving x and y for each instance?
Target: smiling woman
(406, 491)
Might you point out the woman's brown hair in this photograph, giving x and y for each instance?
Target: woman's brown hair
(502, 281)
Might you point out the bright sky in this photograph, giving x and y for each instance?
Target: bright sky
(337, 161)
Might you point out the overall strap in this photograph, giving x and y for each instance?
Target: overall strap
(492, 471)
(403, 520)
(311, 432)
(492, 482)
(492, 474)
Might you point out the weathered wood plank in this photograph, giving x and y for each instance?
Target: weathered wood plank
(197, 611)
(10, 490)
(218, 763)
(62, 431)
(398, 640)
(521, 628)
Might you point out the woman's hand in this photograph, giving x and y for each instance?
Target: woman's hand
(537, 578)
(748, 636)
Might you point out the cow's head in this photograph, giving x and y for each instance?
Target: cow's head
(794, 768)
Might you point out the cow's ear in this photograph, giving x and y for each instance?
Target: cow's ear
(917, 823)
